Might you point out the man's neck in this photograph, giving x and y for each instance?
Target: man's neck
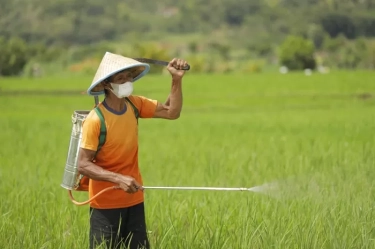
(115, 103)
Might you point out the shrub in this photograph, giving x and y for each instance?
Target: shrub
(14, 56)
(297, 53)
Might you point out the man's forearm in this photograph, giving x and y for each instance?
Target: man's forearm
(175, 98)
(93, 171)
(168, 101)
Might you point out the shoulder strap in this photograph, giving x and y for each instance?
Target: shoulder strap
(103, 130)
(136, 112)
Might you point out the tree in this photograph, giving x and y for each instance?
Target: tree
(297, 53)
(14, 56)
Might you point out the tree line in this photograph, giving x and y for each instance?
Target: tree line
(70, 22)
(300, 34)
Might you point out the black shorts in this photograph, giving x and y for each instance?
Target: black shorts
(118, 228)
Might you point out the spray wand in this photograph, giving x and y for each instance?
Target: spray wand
(253, 189)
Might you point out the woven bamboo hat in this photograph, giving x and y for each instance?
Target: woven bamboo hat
(112, 64)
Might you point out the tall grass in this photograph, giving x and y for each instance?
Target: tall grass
(311, 137)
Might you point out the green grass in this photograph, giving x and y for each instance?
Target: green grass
(313, 136)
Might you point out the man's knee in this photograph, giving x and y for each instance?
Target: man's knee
(103, 234)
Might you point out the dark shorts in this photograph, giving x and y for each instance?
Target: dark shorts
(118, 228)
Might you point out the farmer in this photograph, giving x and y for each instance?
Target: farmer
(118, 216)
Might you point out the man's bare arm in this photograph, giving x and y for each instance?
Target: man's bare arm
(172, 107)
(91, 170)
(87, 168)
(168, 101)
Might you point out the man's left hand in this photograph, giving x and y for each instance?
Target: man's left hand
(175, 67)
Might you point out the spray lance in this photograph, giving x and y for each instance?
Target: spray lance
(253, 189)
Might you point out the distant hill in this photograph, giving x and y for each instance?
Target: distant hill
(71, 22)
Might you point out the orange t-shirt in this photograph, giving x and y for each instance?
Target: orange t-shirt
(120, 151)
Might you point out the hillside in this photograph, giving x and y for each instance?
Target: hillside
(207, 32)
(69, 22)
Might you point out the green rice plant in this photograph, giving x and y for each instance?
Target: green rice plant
(307, 141)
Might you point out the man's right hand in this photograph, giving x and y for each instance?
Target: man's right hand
(128, 184)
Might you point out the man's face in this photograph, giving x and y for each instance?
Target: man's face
(122, 77)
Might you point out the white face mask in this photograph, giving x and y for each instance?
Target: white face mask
(122, 90)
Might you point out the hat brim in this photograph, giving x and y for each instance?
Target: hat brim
(97, 88)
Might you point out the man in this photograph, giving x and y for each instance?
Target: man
(118, 216)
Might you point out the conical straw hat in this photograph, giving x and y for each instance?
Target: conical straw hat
(112, 64)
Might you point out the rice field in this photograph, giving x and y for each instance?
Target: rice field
(308, 141)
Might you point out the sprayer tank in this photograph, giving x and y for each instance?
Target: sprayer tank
(71, 175)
